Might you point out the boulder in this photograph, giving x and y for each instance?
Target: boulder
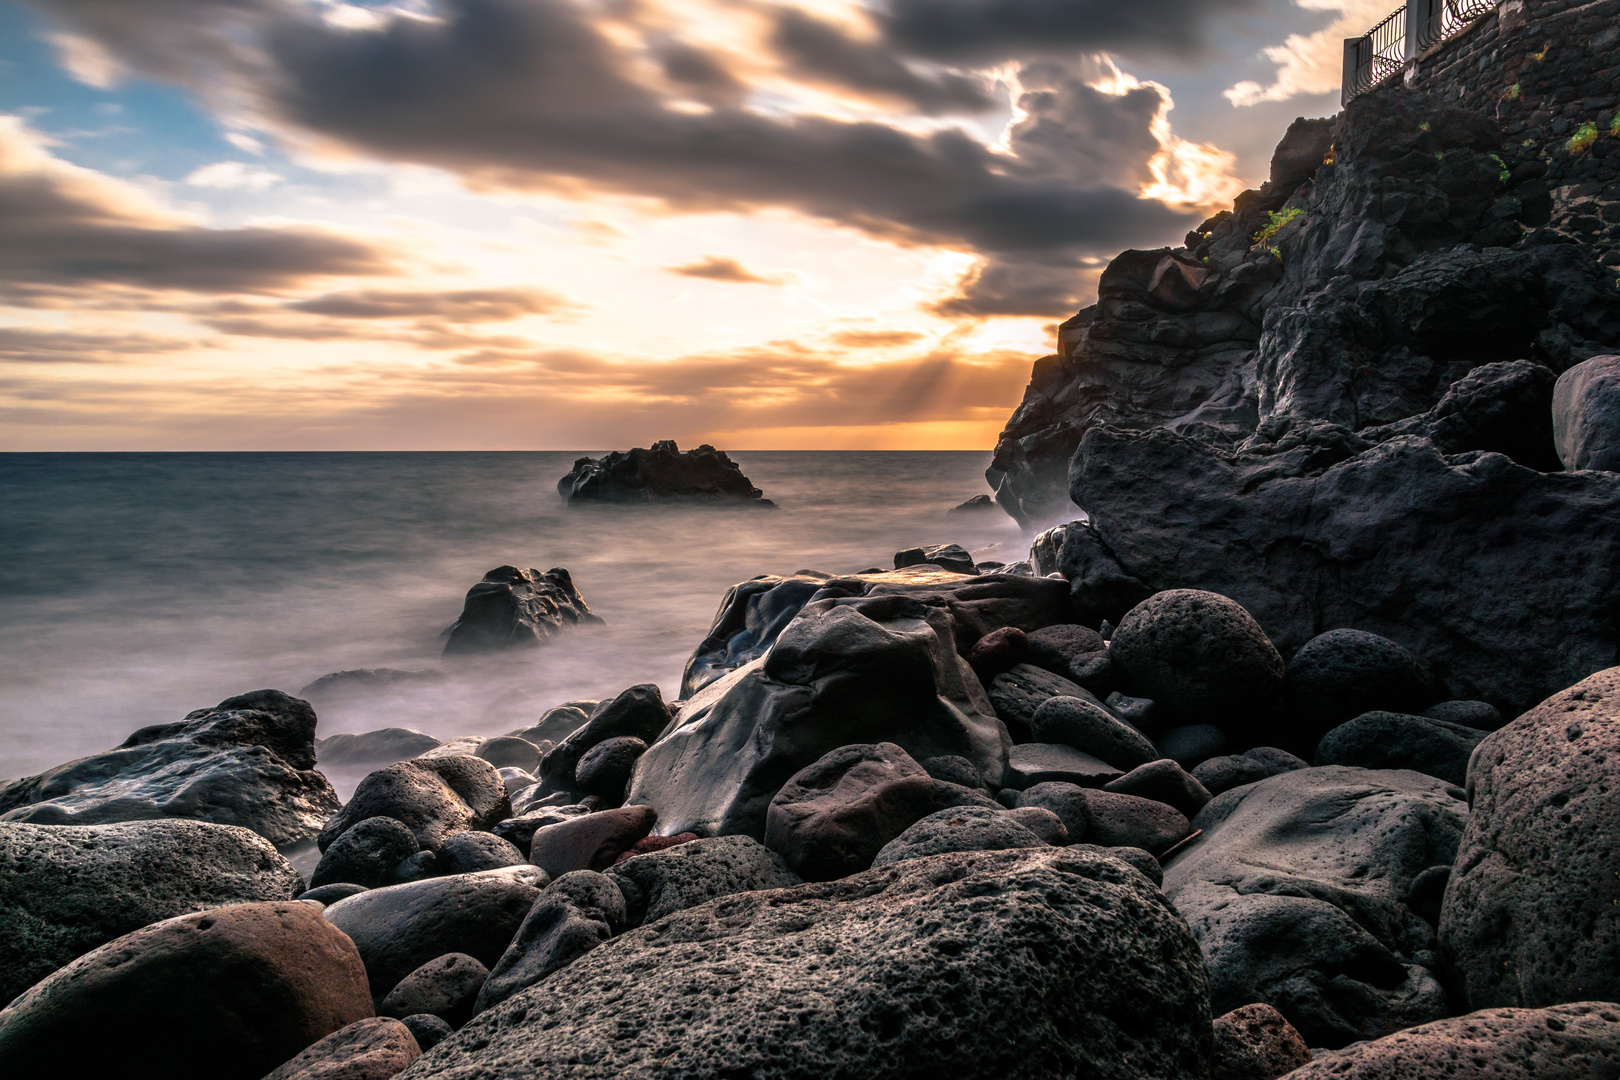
(575, 914)
(1077, 653)
(513, 608)
(249, 761)
(402, 927)
(1202, 658)
(904, 972)
(1039, 763)
(954, 770)
(998, 651)
(1256, 1043)
(516, 781)
(1089, 727)
(1387, 740)
(1586, 415)
(606, 767)
(649, 844)
(510, 752)
(1341, 674)
(637, 713)
(372, 748)
(327, 895)
(1067, 801)
(1192, 744)
(1579, 1041)
(446, 987)
(432, 797)
(1023, 688)
(1099, 590)
(590, 841)
(1298, 893)
(658, 883)
(1137, 859)
(1042, 822)
(1166, 782)
(963, 828)
(1479, 715)
(1129, 821)
(844, 671)
(367, 853)
(229, 993)
(658, 475)
(558, 723)
(470, 852)
(428, 1030)
(978, 506)
(952, 557)
(1532, 911)
(65, 890)
(374, 1049)
(1222, 774)
(520, 830)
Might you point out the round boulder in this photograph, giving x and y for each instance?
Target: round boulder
(366, 854)
(510, 752)
(470, 852)
(374, 1049)
(1386, 740)
(1088, 727)
(606, 767)
(445, 986)
(965, 828)
(1337, 676)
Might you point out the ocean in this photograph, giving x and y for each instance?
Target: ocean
(137, 587)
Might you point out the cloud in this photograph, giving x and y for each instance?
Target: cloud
(1311, 63)
(725, 268)
(28, 345)
(456, 306)
(64, 227)
(243, 142)
(234, 176)
(874, 339)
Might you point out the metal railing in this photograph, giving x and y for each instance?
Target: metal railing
(1442, 19)
(1379, 53)
(1396, 42)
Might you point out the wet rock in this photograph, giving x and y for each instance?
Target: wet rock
(998, 651)
(575, 914)
(900, 987)
(432, 797)
(374, 1049)
(366, 853)
(428, 1030)
(372, 748)
(978, 506)
(1087, 726)
(249, 761)
(470, 852)
(510, 752)
(1256, 1042)
(229, 993)
(64, 890)
(661, 882)
(1532, 912)
(1480, 715)
(402, 927)
(513, 608)
(1039, 763)
(1387, 740)
(952, 557)
(606, 767)
(636, 713)
(1586, 415)
(1077, 653)
(1023, 688)
(446, 987)
(1298, 893)
(844, 671)
(1128, 821)
(591, 841)
(558, 723)
(1222, 774)
(1339, 675)
(963, 828)
(1067, 801)
(658, 475)
(1579, 1041)
(1166, 782)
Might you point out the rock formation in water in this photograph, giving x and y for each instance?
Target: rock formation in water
(660, 474)
(517, 608)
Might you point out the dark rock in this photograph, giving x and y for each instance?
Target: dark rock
(327, 895)
(372, 748)
(901, 972)
(1480, 715)
(65, 890)
(1566, 1042)
(558, 723)
(1128, 821)
(844, 671)
(1166, 782)
(424, 795)
(1586, 415)
(1192, 745)
(953, 770)
(1297, 891)
(402, 927)
(428, 1030)
(374, 1049)
(360, 683)
(1387, 740)
(649, 844)
(366, 853)
(1300, 154)
(1341, 674)
(1256, 1042)
(590, 841)
(1087, 726)
(1222, 774)
(517, 608)
(516, 781)
(419, 867)
(1076, 652)
(249, 761)
(1427, 892)
(1023, 688)
(966, 828)
(1099, 590)
(1531, 914)
(510, 752)
(1042, 822)
(575, 914)
(606, 767)
(470, 852)
(1139, 712)
(998, 651)
(660, 474)
(1039, 763)
(1067, 801)
(229, 993)
(951, 557)
(1137, 859)
(476, 782)
(1202, 658)
(661, 882)
(531, 800)
(978, 506)
(636, 713)
(445, 986)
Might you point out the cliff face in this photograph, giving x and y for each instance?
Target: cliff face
(1470, 217)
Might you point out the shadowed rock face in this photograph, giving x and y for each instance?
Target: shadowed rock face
(909, 971)
(513, 607)
(661, 474)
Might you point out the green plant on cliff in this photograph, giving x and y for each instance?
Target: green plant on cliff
(1275, 221)
(1513, 92)
(1503, 175)
(1538, 57)
(1584, 136)
(1423, 126)
(1614, 125)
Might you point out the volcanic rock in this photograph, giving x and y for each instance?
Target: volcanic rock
(1089, 727)
(373, 748)
(660, 474)
(374, 1049)
(446, 987)
(963, 828)
(367, 853)
(1076, 652)
(952, 557)
(1586, 415)
(1341, 674)
(1256, 1043)
(431, 797)
(517, 608)
(676, 878)
(1166, 782)
(1386, 740)
(575, 914)
(590, 841)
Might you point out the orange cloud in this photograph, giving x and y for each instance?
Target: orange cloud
(725, 268)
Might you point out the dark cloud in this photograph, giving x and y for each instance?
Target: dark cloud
(723, 268)
(821, 52)
(456, 306)
(1019, 288)
(27, 345)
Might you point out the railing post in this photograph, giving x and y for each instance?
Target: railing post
(1352, 53)
(1417, 20)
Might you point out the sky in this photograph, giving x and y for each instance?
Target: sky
(591, 224)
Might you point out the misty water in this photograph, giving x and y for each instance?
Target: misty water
(137, 587)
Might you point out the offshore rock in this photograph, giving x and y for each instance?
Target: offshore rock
(661, 474)
(517, 608)
(902, 972)
(249, 761)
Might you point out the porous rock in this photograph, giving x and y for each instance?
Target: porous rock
(686, 875)
(1039, 763)
(1017, 692)
(1387, 740)
(1089, 727)
(1337, 676)
(374, 1049)
(1067, 801)
(1223, 773)
(964, 828)
(367, 853)
(1141, 861)
(1076, 652)
(1042, 822)
(589, 841)
(1586, 415)
(428, 1030)
(1129, 821)
(432, 797)
(606, 767)
(1480, 715)
(469, 852)
(903, 972)
(517, 608)
(1256, 1042)
(445, 986)
(575, 914)
(1165, 781)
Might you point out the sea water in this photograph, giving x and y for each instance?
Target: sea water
(137, 587)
